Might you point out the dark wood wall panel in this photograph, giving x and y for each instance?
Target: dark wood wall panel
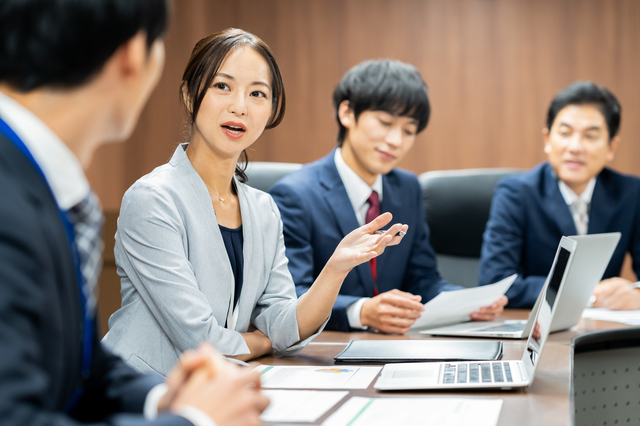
(492, 67)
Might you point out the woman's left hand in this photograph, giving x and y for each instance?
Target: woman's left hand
(366, 242)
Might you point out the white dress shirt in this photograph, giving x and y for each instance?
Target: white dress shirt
(61, 169)
(358, 192)
(69, 186)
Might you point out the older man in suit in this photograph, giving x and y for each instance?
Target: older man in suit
(573, 193)
(72, 75)
(380, 107)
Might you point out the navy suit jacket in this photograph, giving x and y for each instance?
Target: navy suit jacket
(317, 214)
(529, 216)
(41, 318)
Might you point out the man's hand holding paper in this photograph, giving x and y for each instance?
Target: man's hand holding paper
(478, 303)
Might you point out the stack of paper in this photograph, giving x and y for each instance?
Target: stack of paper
(309, 405)
(300, 405)
(360, 411)
(601, 314)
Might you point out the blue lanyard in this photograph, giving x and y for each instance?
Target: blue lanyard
(87, 322)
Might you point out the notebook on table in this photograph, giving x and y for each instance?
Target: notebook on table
(491, 374)
(388, 351)
(591, 258)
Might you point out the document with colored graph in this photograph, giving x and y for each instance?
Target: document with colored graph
(316, 377)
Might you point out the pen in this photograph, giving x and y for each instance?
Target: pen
(399, 234)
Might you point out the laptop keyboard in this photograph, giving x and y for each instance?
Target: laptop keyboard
(484, 372)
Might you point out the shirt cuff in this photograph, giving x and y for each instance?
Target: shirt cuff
(635, 285)
(154, 396)
(353, 313)
(195, 416)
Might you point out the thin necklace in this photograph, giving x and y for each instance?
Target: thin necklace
(217, 195)
(211, 191)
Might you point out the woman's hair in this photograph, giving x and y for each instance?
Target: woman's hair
(205, 62)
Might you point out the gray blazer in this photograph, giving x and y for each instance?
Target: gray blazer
(176, 275)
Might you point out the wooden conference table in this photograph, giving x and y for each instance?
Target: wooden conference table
(545, 402)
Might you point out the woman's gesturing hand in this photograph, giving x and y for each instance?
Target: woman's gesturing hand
(366, 242)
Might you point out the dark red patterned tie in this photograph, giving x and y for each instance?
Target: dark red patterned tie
(372, 213)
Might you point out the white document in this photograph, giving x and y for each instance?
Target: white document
(452, 307)
(316, 377)
(299, 406)
(601, 314)
(359, 411)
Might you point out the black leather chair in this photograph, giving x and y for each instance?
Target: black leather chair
(457, 204)
(263, 174)
(605, 379)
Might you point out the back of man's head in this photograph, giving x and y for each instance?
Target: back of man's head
(587, 93)
(383, 85)
(64, 43)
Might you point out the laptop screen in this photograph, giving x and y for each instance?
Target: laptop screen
(543, 319)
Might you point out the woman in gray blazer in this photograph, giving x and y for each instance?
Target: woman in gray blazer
(201, 255)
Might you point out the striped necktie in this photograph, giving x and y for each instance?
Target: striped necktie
(372, 213)
(87, 220)
(580, 212)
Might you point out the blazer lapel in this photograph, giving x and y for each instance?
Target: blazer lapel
(391, 202)
(252, 242)
(201, 203)
(345, 218)
(555, 206)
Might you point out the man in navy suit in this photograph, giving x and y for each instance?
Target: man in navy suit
(380, 107)
(73, 74)
(572, 193)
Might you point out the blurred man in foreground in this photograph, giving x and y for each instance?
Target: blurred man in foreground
(74, 74)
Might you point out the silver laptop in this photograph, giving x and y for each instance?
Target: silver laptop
(591, 258)
(495, 374)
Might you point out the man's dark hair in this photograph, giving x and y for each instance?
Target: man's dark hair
(383, 85)
(587, 93)
(64, 43)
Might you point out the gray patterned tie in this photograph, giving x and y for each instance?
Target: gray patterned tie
(580, 212)
(87, 220)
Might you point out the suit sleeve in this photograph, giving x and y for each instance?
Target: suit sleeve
(422, 276)
(113, 386)
(634, 248)
(150, 249)
(113, 389)
(503, 247)
(298, 230)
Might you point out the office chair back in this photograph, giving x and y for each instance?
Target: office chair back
(605, 379)
(263, 174)
(457, 204)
